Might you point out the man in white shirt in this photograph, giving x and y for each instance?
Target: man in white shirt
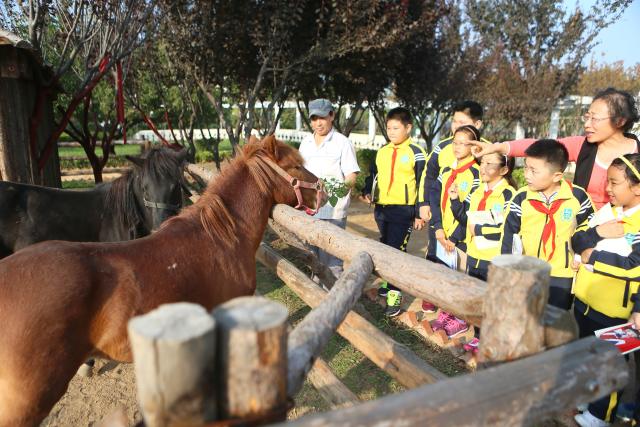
(329, 154)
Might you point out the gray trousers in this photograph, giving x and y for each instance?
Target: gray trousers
(332, 263)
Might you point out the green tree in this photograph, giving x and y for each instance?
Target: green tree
(535, 51)
(243, 52)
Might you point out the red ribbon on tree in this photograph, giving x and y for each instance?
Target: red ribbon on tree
(120, 101)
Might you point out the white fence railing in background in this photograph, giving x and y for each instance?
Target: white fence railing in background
(359, 140)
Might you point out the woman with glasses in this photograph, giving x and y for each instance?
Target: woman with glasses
(607, 123)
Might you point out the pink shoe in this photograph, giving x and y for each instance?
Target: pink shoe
(455, 326)
(428, 307)
(443, 318)
(472, 346)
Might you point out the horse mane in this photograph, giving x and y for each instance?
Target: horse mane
(121, 200)
(211, 209)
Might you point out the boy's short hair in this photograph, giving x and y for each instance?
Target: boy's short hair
(401, 114)
(470, 108)
(551, 151)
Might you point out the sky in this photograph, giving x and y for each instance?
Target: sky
(619, 41)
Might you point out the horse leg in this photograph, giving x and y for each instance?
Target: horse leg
(31, 389)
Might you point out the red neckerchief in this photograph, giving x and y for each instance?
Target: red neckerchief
(549, 229)
(393, 164)
(451, 179)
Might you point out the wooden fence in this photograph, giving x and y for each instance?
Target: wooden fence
(239, 366)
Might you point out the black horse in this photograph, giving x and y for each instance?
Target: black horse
(125, 209)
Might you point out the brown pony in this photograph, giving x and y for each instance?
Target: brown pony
(63, 302)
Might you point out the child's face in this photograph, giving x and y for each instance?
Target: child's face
(461, 146)
(619, 189)
(397, 131)
(491, 167)
(460, 119)
(539, 174)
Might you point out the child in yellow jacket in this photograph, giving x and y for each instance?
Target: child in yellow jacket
(395, 186)
(483, 238)
(542, 217)
(606, 286)
(464, 176)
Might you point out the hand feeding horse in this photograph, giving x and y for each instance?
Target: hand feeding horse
(62, 302)
(127, 208)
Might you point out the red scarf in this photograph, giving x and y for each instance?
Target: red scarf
(549, 229)
(450, 181)
(393, 165)
(483, 202)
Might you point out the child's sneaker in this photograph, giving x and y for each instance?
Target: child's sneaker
(455, 326)
(383, 289)
(442, 319)
(394, 299)
(472, 346)
(428, 307)
(587, 419)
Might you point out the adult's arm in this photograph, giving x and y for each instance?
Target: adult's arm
(516, 148)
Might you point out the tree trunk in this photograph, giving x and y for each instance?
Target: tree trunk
(20, 77)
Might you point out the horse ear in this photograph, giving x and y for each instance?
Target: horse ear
(271, 146)
(135, 160)
(182, 155)
(253, 139)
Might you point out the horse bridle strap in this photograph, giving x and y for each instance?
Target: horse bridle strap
(160, 205)
(297, 184)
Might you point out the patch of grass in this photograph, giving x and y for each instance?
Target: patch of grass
(121, 150)
(77, 184)
(352, 367)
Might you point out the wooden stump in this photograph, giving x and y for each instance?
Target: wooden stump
(174, 351)
(252, 359)
(517, 292)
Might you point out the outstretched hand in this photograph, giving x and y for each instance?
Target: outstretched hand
(481, 148)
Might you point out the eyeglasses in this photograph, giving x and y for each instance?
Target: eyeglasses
(586, 117)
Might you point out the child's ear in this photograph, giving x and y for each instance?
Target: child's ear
(636, 189)
(478, 124)
(409, 127)
(504, 170)
(557, 176)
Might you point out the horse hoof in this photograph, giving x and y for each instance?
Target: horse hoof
(85, 370)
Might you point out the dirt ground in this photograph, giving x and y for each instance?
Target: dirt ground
(89, 399)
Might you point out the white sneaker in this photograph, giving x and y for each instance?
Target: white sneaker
(587, 419)
(582, 407)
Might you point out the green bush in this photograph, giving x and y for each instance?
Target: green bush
(518, 176)
(76, 163)
(365, 157)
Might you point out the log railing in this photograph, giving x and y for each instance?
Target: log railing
(245, 362)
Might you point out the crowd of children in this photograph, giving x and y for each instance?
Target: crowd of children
(466, 195)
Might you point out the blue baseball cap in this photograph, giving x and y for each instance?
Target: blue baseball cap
(320, 107)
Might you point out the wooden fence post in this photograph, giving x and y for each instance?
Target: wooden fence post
(311, 335)
(252, 359)
(517, 291)
(389, 355)
(174, 350)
